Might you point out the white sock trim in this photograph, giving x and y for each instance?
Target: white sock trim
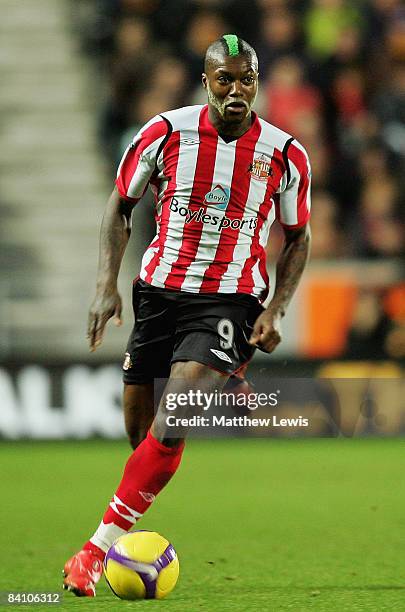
(130, 515)
(106, 534)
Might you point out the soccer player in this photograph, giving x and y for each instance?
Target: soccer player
(220, 176)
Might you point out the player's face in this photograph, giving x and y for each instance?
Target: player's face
(231, 85)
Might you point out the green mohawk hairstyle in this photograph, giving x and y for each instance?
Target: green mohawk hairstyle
(228, 45)
(231, 41)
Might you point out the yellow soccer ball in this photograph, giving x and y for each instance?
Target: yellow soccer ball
(141, 565)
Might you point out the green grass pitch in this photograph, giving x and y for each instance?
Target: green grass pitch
(263, 525)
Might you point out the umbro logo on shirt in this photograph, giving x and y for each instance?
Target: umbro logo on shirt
(221, 355)
(189, 141)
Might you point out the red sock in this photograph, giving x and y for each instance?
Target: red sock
(148, 470)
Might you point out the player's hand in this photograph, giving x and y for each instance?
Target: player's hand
(266, 333)
(105, 306)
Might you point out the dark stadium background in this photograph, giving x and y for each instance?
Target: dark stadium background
(78, 79)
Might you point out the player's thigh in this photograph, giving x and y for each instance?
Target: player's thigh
(138, 402)
(187, 379)
(193, 372)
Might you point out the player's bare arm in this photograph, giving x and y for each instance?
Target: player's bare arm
(290, 266)
(114, 236)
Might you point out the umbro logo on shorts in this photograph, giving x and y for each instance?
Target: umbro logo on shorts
(221, 355)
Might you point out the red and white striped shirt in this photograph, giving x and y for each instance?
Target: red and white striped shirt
(215, 200)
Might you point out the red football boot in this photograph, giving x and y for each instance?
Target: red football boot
(82, 572)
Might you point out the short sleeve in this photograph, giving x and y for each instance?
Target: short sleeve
(140, 158)
(294, 207)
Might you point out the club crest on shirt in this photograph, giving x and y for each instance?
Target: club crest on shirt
(218, 197)
(260, 168)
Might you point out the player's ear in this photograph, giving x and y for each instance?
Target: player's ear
(204, 80)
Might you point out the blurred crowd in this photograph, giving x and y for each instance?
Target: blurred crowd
(332, 74)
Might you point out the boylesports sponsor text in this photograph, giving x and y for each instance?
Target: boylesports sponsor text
(220, 222)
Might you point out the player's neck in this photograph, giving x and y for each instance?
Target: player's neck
(232, 130)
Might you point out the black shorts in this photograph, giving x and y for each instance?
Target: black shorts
(212, 329)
